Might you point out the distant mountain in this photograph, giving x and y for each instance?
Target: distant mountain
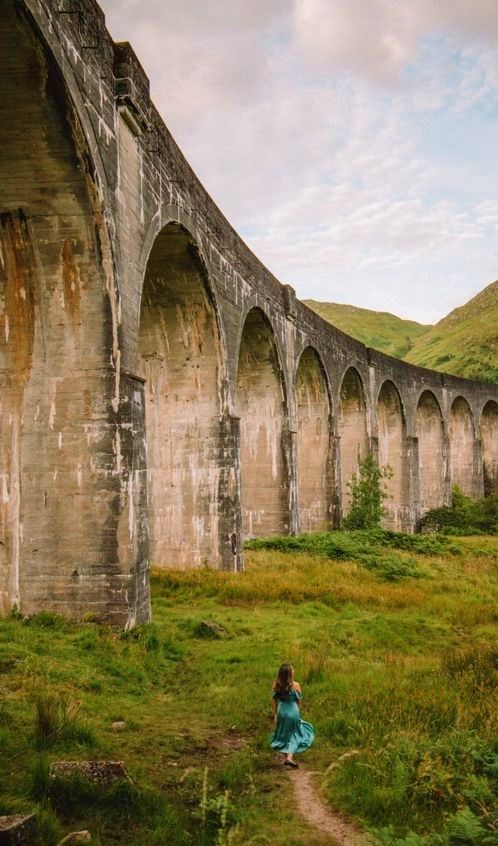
(377, 329)
(464, 343)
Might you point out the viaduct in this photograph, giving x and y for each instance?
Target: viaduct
(162, 395)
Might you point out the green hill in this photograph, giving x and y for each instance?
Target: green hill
(465, 342)
(377, 329)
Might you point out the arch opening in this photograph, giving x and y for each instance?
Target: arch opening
(393, 452)
(462, 438)
(353, 433)
(260, 405)
(429, 430)
(179, 352)
(314, 482)
(489, 440)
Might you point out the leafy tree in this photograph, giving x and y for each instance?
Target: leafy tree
(368, 494)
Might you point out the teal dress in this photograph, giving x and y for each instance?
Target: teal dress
(292, 734)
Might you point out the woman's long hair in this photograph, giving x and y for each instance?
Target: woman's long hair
(283, 683)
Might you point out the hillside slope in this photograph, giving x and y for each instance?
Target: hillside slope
(465, 342)
(377, 329)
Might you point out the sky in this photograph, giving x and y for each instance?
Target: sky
(353, 144)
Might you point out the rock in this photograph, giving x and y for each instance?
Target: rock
(76, 837)
(102, 773)
(17, 828)
(209, 629)
(118, 725)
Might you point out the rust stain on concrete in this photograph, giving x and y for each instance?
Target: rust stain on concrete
(71, 280)
(17, 320)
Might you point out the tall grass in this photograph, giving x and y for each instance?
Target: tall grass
(399, 678)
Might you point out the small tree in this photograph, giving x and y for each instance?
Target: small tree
(367, 495)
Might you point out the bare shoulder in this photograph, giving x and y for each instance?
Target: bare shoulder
(297, 686)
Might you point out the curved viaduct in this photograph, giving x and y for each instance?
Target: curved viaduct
(162, 394)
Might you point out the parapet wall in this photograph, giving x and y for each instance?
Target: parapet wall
(163, 395)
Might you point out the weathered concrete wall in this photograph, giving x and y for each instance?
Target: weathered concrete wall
(429, 428)
(180, 352)
(260, 405)
(156, 380)
(489, 435)
(393, 452)
(61, 501)
(463, 447)
(314, 460)
(353, 430)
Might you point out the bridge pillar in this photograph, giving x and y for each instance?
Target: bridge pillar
(335, 479)
(446, 470)
(413, 483)
(291, 463)
(478, 474)
(231, 538)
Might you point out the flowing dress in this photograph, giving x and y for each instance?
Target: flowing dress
(292, 734)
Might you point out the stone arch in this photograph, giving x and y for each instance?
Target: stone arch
(392, 451)
(260, 404)
(489, 440)
(429, 429)
(314, 483)
(58, 316)
(462, 438)
(353, 432)
(181, 361)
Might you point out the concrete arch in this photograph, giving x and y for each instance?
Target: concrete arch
(61, 308)
(314, 443)
(412, 412)
(254, 303)
(461, 432)
(429, 430)
(261, 406)
(352, 428)
(170, 213)
(392, 451)
(55, 53)
(173, 216)
(181, 361)
(489, 439)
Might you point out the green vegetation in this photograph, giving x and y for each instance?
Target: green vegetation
(464, 343)
(377, 329)
(367, 495)
(465, 516)
(394, 639)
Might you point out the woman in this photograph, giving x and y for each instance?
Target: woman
(292, 734)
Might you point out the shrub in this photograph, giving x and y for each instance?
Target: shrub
(367, 495)
(464, 517)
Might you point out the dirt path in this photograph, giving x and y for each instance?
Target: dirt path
(332, 825)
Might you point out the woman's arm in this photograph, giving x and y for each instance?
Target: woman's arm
(274, 705)
(297, 687)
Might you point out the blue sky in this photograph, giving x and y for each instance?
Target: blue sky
(352, 143)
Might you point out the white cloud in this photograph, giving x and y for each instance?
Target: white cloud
(351, 143)
(378, 38)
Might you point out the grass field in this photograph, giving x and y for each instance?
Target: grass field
(395, 642)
